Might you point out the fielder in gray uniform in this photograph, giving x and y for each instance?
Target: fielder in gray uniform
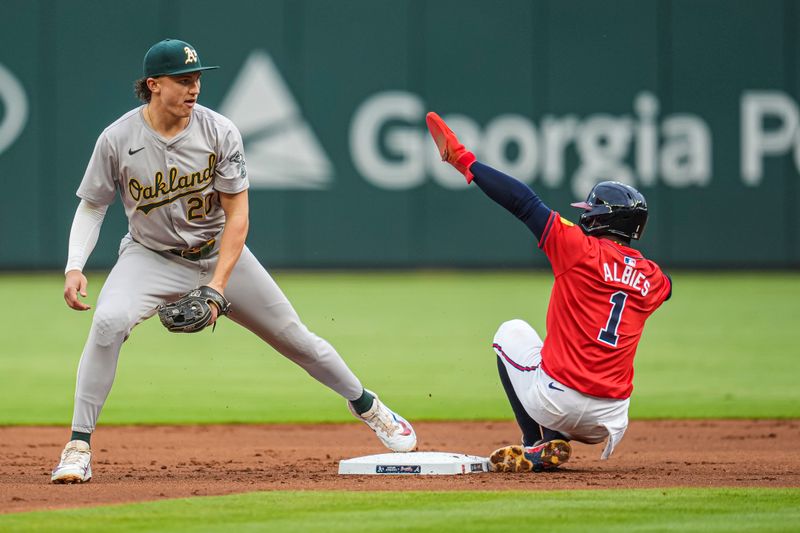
(179, 169)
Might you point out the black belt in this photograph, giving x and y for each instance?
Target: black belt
(198, 252)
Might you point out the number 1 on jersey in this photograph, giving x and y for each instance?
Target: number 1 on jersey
(608, 334)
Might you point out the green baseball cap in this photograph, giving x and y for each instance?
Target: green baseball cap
(171, 57)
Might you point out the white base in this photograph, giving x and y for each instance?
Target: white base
(428, 463)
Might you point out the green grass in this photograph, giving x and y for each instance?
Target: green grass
(724, 346)
(723, 510)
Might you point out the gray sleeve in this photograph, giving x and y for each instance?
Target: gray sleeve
(231, 169)
(99, 185)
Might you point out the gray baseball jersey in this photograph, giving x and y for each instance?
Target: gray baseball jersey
(170, 192)
(168, 187)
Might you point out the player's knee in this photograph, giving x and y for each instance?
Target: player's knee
(111, 325)
(297, 342)
(515, 324)
(513, 330)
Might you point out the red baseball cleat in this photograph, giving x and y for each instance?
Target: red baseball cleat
(450, 149)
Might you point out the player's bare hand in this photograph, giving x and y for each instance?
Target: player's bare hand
(75, 285)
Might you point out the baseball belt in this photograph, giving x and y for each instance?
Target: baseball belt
(197, 252)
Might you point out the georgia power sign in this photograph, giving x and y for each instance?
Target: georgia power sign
(641, 148)
(390, 149)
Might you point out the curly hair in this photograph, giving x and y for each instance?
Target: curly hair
(141, 90)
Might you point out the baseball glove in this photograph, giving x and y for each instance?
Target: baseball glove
(192, 311)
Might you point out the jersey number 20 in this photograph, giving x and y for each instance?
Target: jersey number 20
(199, 207)
(608, 334)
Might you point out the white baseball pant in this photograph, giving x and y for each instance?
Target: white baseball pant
(550, 403)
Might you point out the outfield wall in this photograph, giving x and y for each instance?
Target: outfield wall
(695, 103)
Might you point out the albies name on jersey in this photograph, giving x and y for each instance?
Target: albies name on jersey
(629, 275)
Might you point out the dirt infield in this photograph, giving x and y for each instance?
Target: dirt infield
(150, 463)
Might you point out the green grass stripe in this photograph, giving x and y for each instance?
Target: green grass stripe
(350, 512)
(724, 347)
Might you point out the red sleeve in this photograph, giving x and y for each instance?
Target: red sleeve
(564, 243)
(665, 291)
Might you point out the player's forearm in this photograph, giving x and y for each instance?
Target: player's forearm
(514, 195)
(230, 248)
(84, 233)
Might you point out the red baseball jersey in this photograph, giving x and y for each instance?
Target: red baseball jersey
(602, 296)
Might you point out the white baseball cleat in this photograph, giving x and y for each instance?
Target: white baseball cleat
(75, 465)
(393, 430)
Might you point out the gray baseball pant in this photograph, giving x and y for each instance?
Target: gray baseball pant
(142, 279)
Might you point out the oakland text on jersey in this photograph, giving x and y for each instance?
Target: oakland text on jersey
(183, 185)
(630, 276)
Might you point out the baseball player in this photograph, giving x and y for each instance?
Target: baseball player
(179, 169)
(576, 384)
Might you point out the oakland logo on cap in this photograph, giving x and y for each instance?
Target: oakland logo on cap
(191, 55)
